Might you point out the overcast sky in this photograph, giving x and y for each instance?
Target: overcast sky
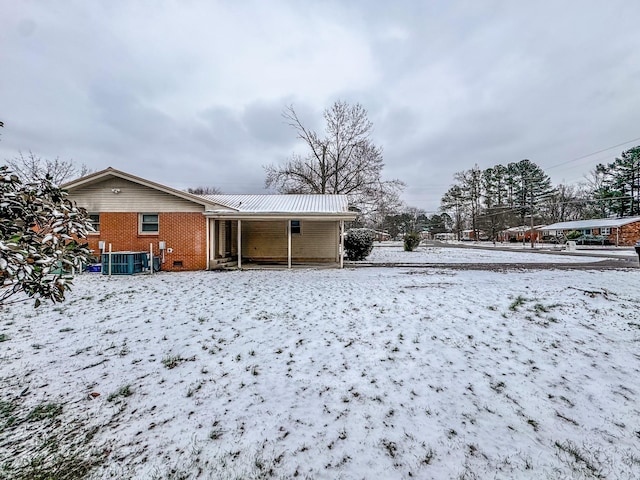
(190, 93)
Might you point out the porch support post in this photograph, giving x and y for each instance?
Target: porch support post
(617, 236)
(239, 244)
(214, 238)
(209, 243)
(289, 244)
(341, 243)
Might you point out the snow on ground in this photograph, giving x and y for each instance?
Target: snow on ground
(394, 253)
(355, 373)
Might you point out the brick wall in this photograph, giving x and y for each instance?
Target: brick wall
(629, 234)
(184, 233)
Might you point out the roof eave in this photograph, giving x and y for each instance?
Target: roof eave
(280, 215)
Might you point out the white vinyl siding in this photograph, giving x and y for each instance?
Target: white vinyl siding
(119, 195)
(268, 240)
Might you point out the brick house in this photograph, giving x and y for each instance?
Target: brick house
(623, 231)
(201, 232)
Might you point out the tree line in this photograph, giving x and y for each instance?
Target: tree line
(343, 159)
(521, 193)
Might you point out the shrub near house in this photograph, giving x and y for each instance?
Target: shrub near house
(411, 241)
(358, 243)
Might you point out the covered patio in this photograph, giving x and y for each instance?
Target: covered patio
(277, 230)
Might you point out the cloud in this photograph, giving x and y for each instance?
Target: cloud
(183, 92)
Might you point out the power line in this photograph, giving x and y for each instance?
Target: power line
(593, 153)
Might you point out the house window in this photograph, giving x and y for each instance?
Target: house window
(149, 223)
(605, 231)
(94, 218)
(296, 227)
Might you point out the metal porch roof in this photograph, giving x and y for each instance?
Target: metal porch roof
(593, 223)
(311, 204)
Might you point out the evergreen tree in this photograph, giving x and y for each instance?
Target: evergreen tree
(496, 212)
(40, 233)
(531, 188)
(620, 186)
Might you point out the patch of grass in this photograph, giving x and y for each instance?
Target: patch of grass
(540, 308)
(498, 386)
(567, 419)
(124, 350)
(194, 387)
(390, 447)
(172, 361)
(7, 417)
(580, 458)
(44, 411)
(75, 465)
(428, 456)
(518, 302)
(124, 391)
(45, 440)
(3, 337)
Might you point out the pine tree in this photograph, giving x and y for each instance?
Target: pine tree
(620, 183)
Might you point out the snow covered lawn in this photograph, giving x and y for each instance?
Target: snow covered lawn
(429, 254)
(359, 373)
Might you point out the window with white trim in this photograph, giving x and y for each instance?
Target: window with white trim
(149, 223)
(94, 218)
(605, 231)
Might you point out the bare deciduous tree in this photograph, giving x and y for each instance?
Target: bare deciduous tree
(31, 168)
(204, 191)
(342, 161)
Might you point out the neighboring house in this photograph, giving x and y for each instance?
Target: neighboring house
(201, 232)
(521, 234)
(381, 236)
(619, 231)
(470, 236)
(445, 236)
